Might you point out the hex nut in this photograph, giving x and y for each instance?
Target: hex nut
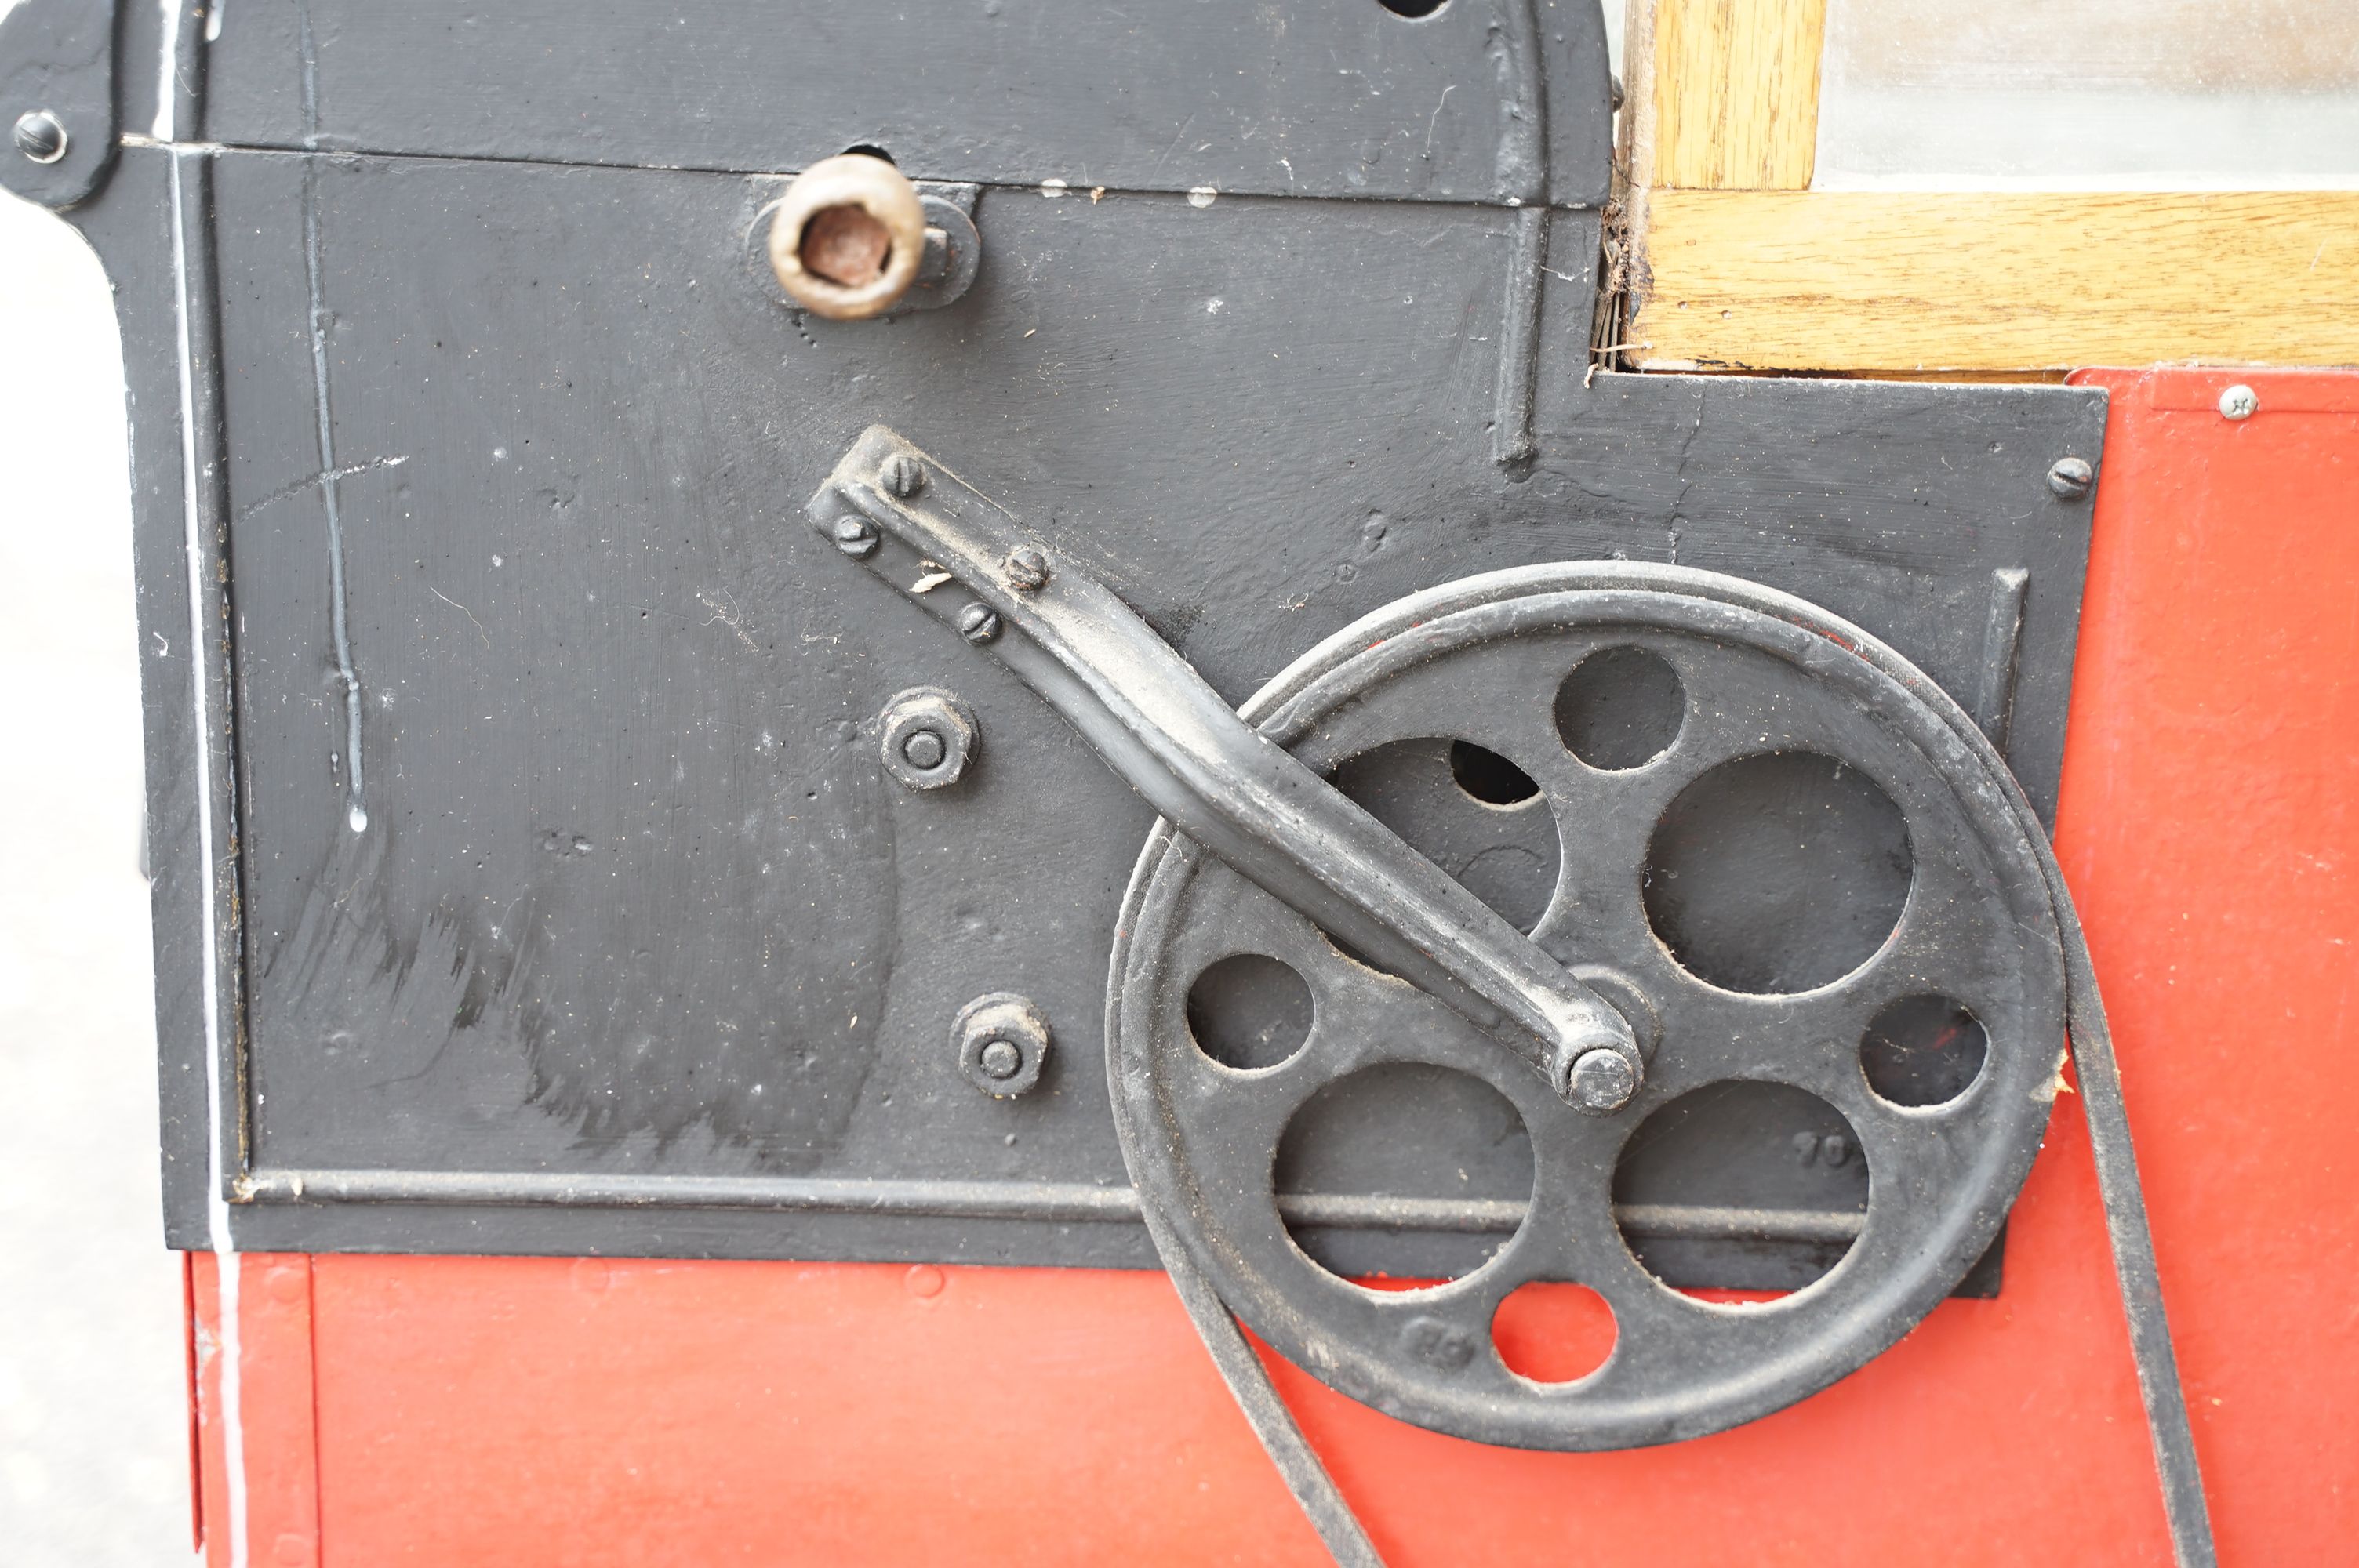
(925, 737)
(1002, 1040)
(848, 236)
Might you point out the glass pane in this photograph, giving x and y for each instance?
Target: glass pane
(2090, 95)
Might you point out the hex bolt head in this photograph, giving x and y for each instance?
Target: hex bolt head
(1027, 568)
(904, 475)
(854, 535)
(2071, 479)
(925, 737)
(1002, 1040)
(40, 136)
(978, 623)
(2239, 403)
(1602, 1081)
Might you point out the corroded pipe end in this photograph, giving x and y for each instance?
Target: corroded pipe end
(848, 237)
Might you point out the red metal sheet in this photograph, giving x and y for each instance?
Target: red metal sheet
(554, 1411)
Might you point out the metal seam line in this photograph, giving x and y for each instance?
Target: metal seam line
(217, 1210)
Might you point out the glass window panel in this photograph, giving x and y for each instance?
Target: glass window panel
(2089, 95)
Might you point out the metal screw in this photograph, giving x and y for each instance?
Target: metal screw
(2071, 477)
(926, 736)
(1027, 568)
(999, 1060)
(1602, 1081)
(2239, 402)
(40, 138)
(978, 623)
(854, 537)
(904, 475)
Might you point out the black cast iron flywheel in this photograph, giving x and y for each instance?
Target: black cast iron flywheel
(1745, 681)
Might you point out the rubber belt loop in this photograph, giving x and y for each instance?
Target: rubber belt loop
(1281, 1435)
(2126, 1229)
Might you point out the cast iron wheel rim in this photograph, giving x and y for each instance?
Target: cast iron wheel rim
(1200, 1139)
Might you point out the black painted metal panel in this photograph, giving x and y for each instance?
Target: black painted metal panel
(1483, 101)
(640, 950)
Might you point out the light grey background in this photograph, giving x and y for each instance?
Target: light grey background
(93, 1412)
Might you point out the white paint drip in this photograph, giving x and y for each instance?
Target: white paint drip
(212, 21)
(217, 1218)
(356, 817)
(1203, 196)
(168, 73)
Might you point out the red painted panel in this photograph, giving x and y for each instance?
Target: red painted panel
(537, 1411)
(273, 1412)
(2211, 832)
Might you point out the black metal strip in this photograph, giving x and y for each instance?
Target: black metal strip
(1512, 440)
(1055, 1202)
(2002, 639)
(213, 630)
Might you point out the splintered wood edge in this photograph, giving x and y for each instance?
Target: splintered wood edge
(1878, 281)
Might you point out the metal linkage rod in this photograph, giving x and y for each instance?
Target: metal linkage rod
(1159, 725)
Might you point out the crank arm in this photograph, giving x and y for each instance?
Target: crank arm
(1245, 799)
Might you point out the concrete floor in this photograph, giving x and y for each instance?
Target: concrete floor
(94, 1413)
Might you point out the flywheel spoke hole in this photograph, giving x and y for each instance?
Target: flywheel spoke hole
(1778, 872)
(1619, 709)
(1469, 810)
(1923, 1051)
(1741, 1187)
(1249, 1011)
(1553, 1332)
(1488, 776)
(1403, 1171)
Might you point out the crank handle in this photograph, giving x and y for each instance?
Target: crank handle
(1242, 796)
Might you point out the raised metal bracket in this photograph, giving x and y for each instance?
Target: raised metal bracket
(1163, 727)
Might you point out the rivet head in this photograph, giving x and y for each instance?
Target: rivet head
(1027, 568)
(2072, 478)
(855, 536)
(978, 623)
(1602, 1081)
(2239, 403)
(40, 136)
(905, 476)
